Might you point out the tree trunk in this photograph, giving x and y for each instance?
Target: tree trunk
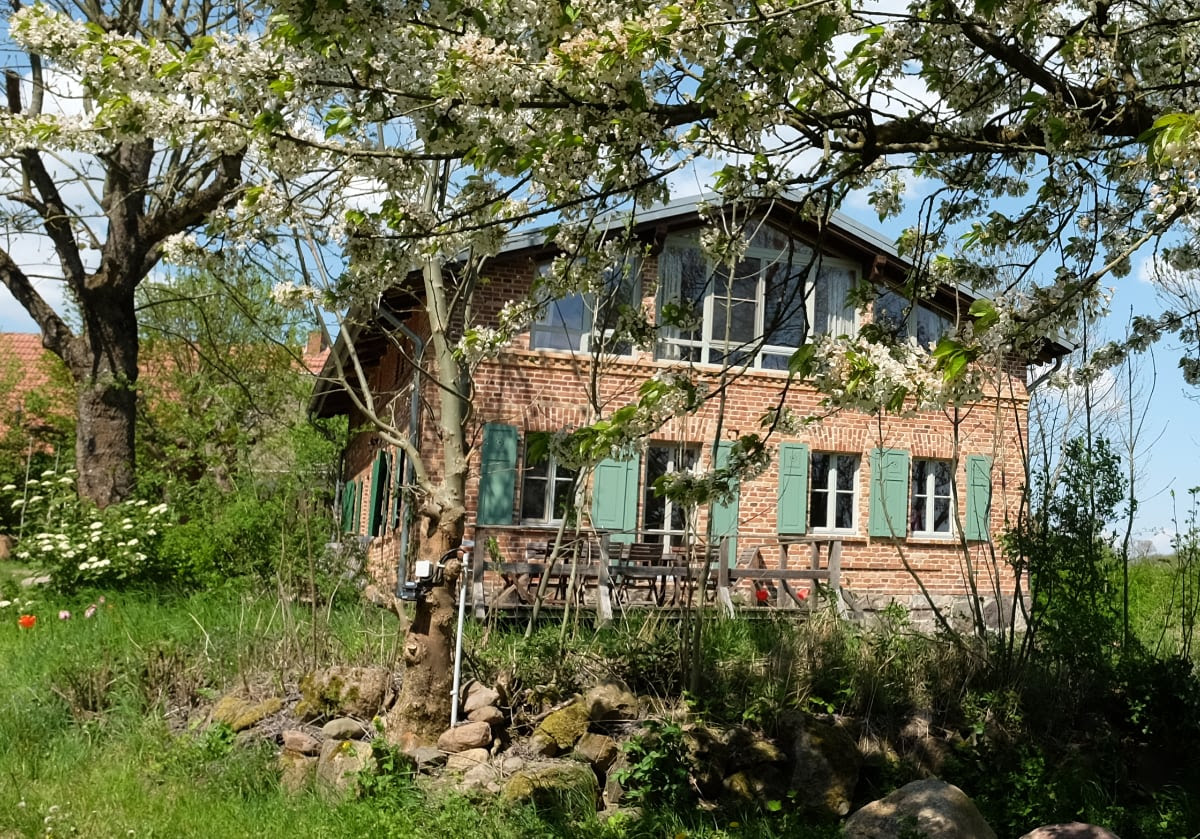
(422, 712)
(103, 362)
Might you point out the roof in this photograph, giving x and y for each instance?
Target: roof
(678, 213)
(21, 366)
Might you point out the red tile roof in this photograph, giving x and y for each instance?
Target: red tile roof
(22, 366)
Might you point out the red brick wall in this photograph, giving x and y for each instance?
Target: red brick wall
(547, 391)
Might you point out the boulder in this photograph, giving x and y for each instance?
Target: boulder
(479, 696)
(931, 808)
(296, 771)
(300, 742)
(427, 757)
(489, 714)
(598, 750)
(611, 701)
(343, 692)
(468, 735)
(825, 765)
(469, 759)
(1072, 830)
(339, 767)
(561, 729)
(240, 714)
(745, 748)
(756, 785)
(708, 756)
(343, 728)
(563, 785)
(614, 791)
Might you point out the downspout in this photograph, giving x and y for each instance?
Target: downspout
(414, 415)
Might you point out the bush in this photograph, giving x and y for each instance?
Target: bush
(80, 545)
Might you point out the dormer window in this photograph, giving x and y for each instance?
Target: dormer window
(587, 322)
(902, 318)
(778, 295)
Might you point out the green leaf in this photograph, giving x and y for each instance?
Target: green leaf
(984, 312)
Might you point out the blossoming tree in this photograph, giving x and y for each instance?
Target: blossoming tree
(397, 137)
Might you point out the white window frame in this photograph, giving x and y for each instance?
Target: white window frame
(678, 456)
(927, 497)
(548, 323)
(672, 346)
(831, 489)
(549, 484)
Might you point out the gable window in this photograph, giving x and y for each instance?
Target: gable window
(756, 315)
(547, 487)
(833, 501)
(929, 513)
(662, 519)
(587, 322)
(903, 319)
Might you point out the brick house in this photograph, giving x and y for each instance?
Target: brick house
(919, 496)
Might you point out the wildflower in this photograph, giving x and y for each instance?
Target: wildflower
(8, 487)
(27, 621)
(90, 611)
(64, 615)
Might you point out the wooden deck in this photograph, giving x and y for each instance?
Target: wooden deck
(600, 575)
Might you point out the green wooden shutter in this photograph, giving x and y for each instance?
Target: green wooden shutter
(889, 493)
(979, 496)
(791, 516)
(347, 506)
(379, 487)
(725, 514)
(497, 474)
(615, 497)
(397, 484)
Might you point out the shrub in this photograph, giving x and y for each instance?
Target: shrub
(79, 544)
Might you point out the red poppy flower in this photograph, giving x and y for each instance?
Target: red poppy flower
(762, 595)
(27, 621)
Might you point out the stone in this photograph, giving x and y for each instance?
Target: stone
(339, 767)
(343, 692)
(745, 748)
(469, 759)
(561, 729)
(825, 764)
(1071, 830)
(614, 791)
(479, 696)
(481, 776)
(511, 764)
(427, 757)
(563, 785)
(240, 714)
(611, 701)
(599, 750)
(931, 808)
(489, 714)
(296, 771)
(300, 742)
(708, 756)
(756, 785)
(468, 735)
(343, 728)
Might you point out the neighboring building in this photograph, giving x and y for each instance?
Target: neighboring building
(913, 494)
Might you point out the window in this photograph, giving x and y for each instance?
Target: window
(898, 315)
(578, 322)
(931, 496)
(834, 494)
(662, 519)
(547, 487)
(756, 315)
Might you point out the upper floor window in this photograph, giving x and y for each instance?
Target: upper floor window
(834, 497)
(587, 321)
(547, 487)
(755, 313)
(929, 512)
(904, 319)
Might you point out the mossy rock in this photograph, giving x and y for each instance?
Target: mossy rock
(342, 692)
(565, 786)
(564, 727)
(240, 714)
